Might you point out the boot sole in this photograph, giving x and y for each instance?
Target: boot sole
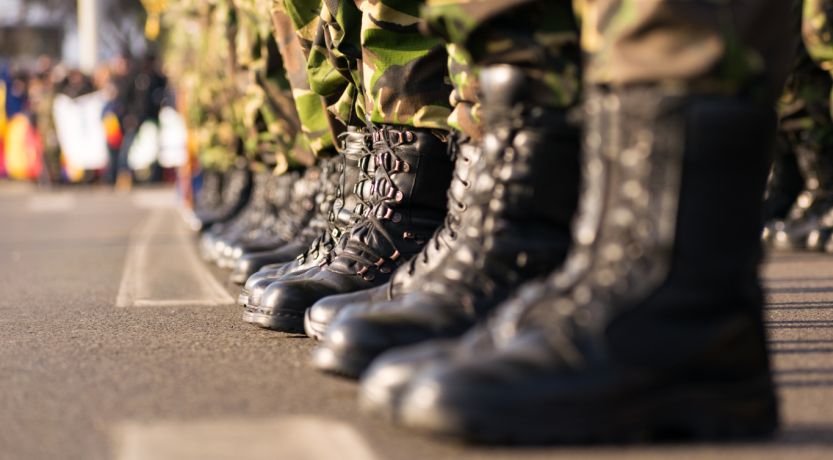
(282, 322)
(340, 364)
(243, 299)
(715, 413)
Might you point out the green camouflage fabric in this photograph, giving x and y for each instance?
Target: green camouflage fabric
(804, 108)
(295, 24)
(464, 99)
(540, 36)
(334, 61)
(404, 73)
(817, 31)
(817, 34)
(198, 56)
(271, 125)
(701, 46)
(372, 64)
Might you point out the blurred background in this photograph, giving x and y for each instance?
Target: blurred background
(84, 96)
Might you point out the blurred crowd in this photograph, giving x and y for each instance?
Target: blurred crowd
(129, 92)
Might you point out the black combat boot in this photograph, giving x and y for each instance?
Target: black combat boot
(271, 196)
(210, 194)
(808, 223)
(784, 186)
(253, 257)
(653, 328)
(282, 222)
(236, 192)
(408, 278)
(805, 132)
(413, 172)
(518, 228)
(351, 200)
(213, 241)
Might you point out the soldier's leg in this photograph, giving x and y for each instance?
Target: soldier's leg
(268, 128)
(326, 33)
(401, 96)
(292, 22)
(623, 342)
(465, 134)
(525, 184)
(817, 25)
(220, 133)
(806, 133)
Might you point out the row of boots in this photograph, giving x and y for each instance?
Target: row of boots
(538, 285)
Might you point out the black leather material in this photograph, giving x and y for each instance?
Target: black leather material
(334, 219)
(654, 325)
(210, 195)
(408, 277)
(257, 209)
(298, 231)
(235, 193)
(809, 223)
(413, 171)
(518, 228)
(284, 210)
(250, 263)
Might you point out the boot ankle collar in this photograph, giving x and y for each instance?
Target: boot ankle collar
(394, 136)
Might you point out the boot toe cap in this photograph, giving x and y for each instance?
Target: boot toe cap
(291, 297)
(384, 382)
(325, 311)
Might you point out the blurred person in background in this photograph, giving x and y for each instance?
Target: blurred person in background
(141, 95)
(106, 79)
(4, 74)
(42, 97)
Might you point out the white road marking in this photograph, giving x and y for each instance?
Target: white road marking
(295, 437)
(162, 268)
(12, 188)
(58, 202)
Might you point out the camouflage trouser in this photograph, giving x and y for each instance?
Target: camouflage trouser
(804, 108)
(817, 31)
(215, 94)
(295, 23)
(540, 36)
(270, 128)
(728, 47)
(374, 66)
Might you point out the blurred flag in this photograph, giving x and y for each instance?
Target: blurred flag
(80, 131)
(23, 152)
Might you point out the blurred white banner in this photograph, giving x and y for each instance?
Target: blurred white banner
(81, 131)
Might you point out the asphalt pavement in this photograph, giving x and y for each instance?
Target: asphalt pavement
(116, 342)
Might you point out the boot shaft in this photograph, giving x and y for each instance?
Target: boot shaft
(665, 258)
(412, 176)
(357, 168)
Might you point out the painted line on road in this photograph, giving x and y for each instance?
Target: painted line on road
(294, 437)
(162, 268)
(45, 203)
